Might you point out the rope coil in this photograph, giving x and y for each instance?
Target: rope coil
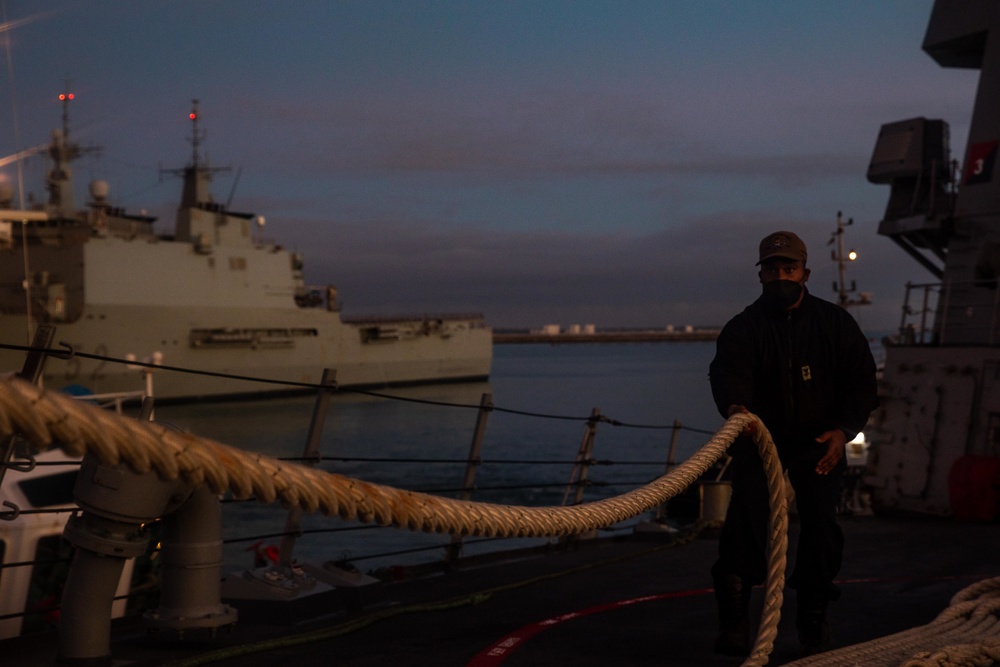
(965, 634)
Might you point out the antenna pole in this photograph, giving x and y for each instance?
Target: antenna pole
(20, 167)
(195, 136)
(840, 287)
(65, 98)
(840, 259)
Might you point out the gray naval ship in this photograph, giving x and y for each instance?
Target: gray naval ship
(935, 440)
(211, 296)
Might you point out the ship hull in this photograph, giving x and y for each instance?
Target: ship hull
(282, 345)
(213, 297)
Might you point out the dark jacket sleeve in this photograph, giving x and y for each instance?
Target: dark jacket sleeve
(858, 382)
(731, 371)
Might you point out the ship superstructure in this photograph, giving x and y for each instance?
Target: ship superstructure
(212, 296)
(936, 437)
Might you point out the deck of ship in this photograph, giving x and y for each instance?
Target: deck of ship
(634, 601)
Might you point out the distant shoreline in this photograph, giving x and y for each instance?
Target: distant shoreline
(646, 336)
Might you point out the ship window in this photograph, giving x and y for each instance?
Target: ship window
(49, 490)
(238, 263)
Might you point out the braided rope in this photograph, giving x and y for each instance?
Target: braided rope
(965, 634)
(969, 628)
(777, 547)
(48, 419)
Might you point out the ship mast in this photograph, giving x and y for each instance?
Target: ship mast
(844, 297)
(197, 174)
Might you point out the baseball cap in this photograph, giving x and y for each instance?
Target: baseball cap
(782, 244)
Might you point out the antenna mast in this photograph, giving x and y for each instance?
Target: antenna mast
(838, 256)
(197, 174)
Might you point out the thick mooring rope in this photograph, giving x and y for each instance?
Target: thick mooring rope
(47, 419)
(965, 634)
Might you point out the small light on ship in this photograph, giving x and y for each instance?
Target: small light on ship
(66, 96)
(192, 115)
(852, 255)
(857, 446)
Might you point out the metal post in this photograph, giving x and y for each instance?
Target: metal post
(31, 371)
(923, 314)
(675, 432)
(906, 307)
(293, 523)
(27, 275)
(191, 563)
(842, 296)
(582, 463)
(942, 321)
(581, 467)
(475, 450)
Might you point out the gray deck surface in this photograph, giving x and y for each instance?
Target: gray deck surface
(898, 573)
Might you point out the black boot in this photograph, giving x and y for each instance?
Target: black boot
(733, 597)
(811, 621)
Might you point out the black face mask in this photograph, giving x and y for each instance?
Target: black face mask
(782, 294)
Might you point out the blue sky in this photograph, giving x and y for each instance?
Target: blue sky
(612, 163)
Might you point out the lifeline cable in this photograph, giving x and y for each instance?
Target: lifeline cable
(68, 352)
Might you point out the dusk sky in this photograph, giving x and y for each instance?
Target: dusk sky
(613, 163)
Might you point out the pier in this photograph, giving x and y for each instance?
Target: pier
(501, 337)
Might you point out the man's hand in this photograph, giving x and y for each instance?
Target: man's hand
(751, 428)
(835, 442)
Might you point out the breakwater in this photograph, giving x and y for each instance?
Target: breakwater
(624, 336)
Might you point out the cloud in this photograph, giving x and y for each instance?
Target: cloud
(614, 166)
(698, 274)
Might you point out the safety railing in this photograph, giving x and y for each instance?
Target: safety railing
(581, 483)
(937, 313)
(164, 465)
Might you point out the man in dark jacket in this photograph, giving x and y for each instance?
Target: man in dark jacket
(803, 366)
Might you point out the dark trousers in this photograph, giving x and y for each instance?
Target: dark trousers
(743, 542)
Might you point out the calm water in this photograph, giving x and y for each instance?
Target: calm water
(644, 384)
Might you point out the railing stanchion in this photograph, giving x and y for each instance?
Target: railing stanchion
(671, 462)
(581, 465)
(310, 454)
(31, 371)
(475, 458)
(906, 310)
(923, 316)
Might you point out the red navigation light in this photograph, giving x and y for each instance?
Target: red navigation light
(66, 96)
(192, 115)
